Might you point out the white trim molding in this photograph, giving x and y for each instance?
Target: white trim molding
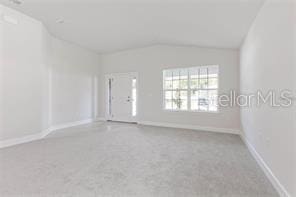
(42, 134)
(21, 140)
(192, 127)
(69, 124)
(46, 132)
(267, 171)
(100, 119)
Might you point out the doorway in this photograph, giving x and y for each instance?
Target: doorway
(122, 91)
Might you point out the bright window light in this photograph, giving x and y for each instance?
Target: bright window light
(191, 89)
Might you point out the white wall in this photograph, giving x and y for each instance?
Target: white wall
(73, 76)
(23, 73)
(267, 64)
(149, 63)
(43, 81)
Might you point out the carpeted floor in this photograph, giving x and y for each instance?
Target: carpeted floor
(126, 160)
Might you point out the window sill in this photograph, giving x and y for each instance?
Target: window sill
(191, 111)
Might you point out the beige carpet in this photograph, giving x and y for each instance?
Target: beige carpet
(113, 159)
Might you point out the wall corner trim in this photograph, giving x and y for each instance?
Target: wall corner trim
(191, 127)
(42, 134)
(21, 140)
(267, 171)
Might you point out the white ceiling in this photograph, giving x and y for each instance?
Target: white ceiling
(112, 25)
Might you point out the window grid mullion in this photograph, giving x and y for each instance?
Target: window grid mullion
(198, 107)
(208, 89)
(189, 90)
(179, 93)
(172, 92)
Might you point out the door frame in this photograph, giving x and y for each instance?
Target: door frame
(108, 116)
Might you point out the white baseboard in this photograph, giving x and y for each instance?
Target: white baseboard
(21, 140)
(192, 127)
(46, 132)
(268, 172)
(42, 134)
(100, 119)
(69, 124)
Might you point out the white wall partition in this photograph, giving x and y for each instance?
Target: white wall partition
(23, 75)
(44, 81)
(267, 63)
(149, 62)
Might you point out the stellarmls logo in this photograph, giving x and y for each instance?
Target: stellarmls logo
(272, 98)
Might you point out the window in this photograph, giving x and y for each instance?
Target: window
(191, 89)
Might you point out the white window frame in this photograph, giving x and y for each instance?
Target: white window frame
(189, 89)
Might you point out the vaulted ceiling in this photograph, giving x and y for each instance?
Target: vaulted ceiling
(111, 25)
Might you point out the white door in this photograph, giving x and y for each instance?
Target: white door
(122, 97)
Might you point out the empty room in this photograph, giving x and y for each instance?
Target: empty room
(148, 98)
